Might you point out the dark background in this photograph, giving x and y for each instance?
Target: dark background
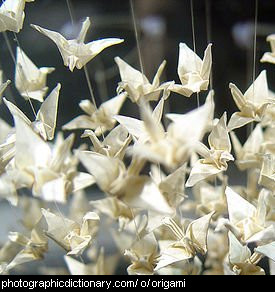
(232, 56)
(228, 24)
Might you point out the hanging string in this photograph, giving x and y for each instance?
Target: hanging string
(137, 37)
(250, 127)
(70, 12)
(89, 85)
(194, 40)
(254, 57)
(255, 44)
(209, 34)
(193, 25)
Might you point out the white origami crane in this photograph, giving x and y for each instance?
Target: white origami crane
(188, 243)
(193, 72)
(76, 53)
(114, 179)
(12, 15)
(250, 154)
(44, 124)
(171, 148)
(252, 104)
(172, 185)
(49, 170)
(143, 255)
(45, 121)
(113, 145)
(30, 80)
(137, 128)
(137, 85)
(101, 119)
(241, 262)
(210, 198)
(270, 56)
(215, 159)
(246, 221)
(107, 171)
(73, 237)
(34, 247)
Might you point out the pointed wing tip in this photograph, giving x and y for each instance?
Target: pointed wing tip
(8, 82)
(58, 86)
(44, 211)
(18, 49)
(182, 45)
(117, 59)
(87, 19)
(263, 72)
(227, 189)
(189, 184)
(224, 117)
(35, 26)
(115, 41)
(5, 101)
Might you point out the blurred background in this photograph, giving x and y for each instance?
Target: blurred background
(162, 25)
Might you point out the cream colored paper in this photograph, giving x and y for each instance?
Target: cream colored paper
(192, 70)
(270, 56)
(12, 15)
(30, 80)
(75, 52)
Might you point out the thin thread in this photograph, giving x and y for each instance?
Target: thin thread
(193, 25)
(70, 12)
(255, 44)
(136, 36)
(194, 40)
(89, 85)
(254, 57)
(92, 94)
(209, 34)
